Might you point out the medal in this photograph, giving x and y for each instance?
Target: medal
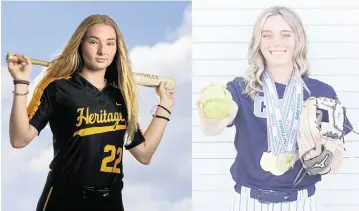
(282, 123)
(269, 163)
(264, 161)
(285, 161)
(272, 166)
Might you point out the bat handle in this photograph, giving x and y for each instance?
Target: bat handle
(33, 61)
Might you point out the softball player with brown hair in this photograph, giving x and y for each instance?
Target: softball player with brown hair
(88, 97)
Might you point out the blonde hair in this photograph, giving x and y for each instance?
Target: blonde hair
(70, 60)
(256, 60)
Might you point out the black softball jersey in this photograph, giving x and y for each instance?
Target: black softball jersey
(88, 127)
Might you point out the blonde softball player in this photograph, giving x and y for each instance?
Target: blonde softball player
(266, 111)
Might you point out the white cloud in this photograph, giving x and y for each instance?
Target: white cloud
(186, 27)
(40, 162)
(6, 84)
(168, 59)
(164, 59)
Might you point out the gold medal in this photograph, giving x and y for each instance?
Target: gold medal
(264, 161)
(272, 166)
(285, 161)
(269, 163)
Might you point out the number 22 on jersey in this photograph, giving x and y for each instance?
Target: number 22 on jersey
(115, 154)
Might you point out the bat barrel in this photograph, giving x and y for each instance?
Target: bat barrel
(145, 79)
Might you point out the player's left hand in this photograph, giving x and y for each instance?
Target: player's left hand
(318, 147)
(318, 142)
(166, 96)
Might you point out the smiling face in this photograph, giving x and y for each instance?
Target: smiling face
(99, 47)
(277, 42)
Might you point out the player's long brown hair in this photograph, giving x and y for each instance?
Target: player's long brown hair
(70, 60)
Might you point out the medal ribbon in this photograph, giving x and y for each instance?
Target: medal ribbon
(283, 120)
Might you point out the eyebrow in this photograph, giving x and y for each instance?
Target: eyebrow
(94, 37)
(280, 31)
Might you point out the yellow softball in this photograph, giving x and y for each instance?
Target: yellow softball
(215, 101)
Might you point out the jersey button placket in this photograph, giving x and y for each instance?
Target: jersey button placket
(102, 103)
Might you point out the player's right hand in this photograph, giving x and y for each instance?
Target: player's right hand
(20, 67)
(215, 101)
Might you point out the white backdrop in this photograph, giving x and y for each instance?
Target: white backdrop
(221, 31)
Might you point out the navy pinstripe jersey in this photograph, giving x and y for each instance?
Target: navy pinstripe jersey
(251, 137)
(88, 127)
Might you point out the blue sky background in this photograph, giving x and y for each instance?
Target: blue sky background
(157, 35)
(37, 29)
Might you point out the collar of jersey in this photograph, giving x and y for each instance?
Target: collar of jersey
(86, 84)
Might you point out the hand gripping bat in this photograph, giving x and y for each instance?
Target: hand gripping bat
(141, 79)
